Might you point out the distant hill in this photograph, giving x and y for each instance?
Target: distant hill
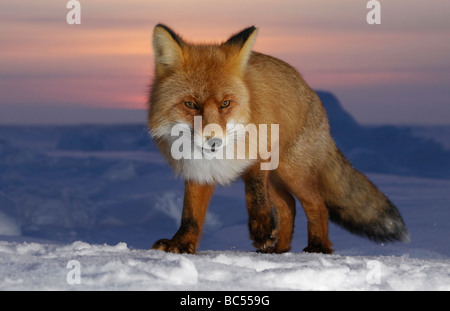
(377, 149)
(385, 149)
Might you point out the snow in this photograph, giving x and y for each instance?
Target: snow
(85, 203)
(38, 266)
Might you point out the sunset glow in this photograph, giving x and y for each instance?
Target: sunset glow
(107, 60)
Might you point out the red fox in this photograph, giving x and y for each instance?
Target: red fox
(196, 85)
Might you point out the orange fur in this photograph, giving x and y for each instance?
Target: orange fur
(261, 90)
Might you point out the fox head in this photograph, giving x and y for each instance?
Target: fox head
(193, 80)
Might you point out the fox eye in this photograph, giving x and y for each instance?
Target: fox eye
(190, 105)
(226, 104)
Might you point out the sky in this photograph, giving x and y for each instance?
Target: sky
(397, 72)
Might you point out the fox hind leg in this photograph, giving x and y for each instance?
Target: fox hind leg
(306, 189)
(317, 223)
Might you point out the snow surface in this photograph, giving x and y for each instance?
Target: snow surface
(101, 195)
(37, 266)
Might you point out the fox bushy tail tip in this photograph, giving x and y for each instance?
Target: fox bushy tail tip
(387, 227)
(357, 205)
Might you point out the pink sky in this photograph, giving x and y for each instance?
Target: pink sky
(396, 72)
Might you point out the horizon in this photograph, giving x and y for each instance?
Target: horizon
(394, 73)
(24, 116)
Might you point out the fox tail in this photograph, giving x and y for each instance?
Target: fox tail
(356, 204)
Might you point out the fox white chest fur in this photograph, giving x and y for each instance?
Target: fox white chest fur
(193, 159)
(221, 171)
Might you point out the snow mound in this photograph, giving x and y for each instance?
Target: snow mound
(83, 266)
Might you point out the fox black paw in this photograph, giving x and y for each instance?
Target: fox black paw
(318, 248)
(171, 246)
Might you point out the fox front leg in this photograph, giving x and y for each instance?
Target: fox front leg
(196, 201)
(263, 221)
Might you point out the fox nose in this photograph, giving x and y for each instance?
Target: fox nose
(214, 143)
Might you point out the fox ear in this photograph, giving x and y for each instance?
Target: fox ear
(243, 41)
(167, 47)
